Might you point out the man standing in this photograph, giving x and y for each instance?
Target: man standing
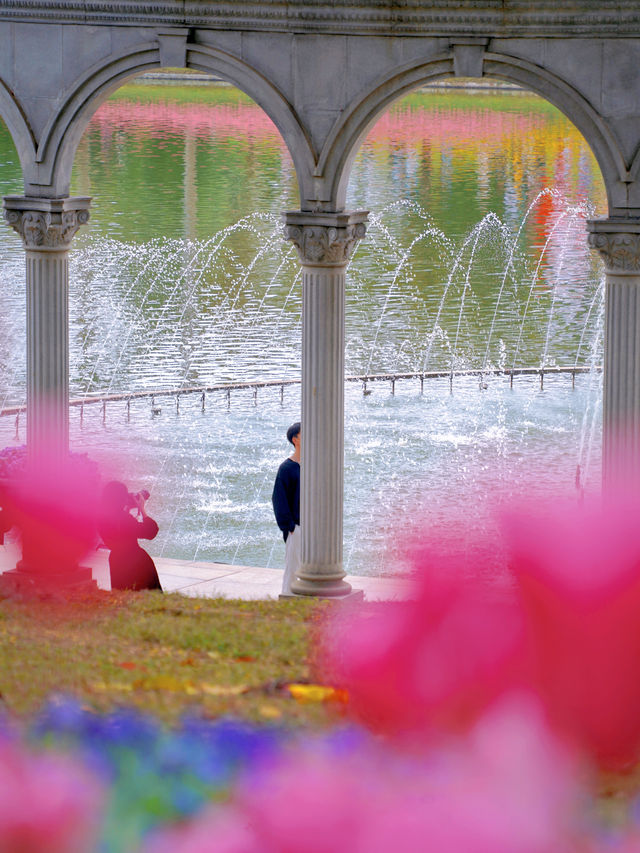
(286, 506)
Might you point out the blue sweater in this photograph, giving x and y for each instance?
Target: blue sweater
(286, 496)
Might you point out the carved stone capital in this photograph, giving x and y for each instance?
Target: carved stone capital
(618, 242)
(325, 239)
(46, 224)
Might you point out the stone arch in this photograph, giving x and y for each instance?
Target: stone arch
(634, 170)
(578, 110)
(53, 162)
(267, 96)
(17, 126)
(341, 147)
(60, 137)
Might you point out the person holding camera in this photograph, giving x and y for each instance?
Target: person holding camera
(130, 566)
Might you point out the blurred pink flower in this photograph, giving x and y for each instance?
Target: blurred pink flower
(578, 572)
(53, 506)
(506, 788)
(429, 664)
(49, 804)
(220, 829)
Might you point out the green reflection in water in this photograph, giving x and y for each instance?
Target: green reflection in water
(179, 161)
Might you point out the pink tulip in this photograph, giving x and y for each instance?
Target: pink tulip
(53, 505)
(429, 664)
(49, 804)
(579, 578)
(219, 829)
(506, 788)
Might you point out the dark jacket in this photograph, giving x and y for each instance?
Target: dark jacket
(286, 497)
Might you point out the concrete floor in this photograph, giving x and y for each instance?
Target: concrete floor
(218, 580)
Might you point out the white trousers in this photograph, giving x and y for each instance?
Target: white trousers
(292, 556)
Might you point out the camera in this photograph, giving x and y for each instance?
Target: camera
(133, 500)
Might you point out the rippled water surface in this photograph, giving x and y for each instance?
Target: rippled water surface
(475, 257)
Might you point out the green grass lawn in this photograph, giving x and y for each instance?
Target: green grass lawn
(162, 653)
(168, 655)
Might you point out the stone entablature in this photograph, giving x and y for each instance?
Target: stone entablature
(323, 72)
(358, 17)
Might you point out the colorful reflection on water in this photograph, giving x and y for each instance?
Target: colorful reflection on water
(475, 257)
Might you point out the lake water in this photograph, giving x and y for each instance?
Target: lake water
(475, 257)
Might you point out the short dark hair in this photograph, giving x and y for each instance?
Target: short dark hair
(293, 431)
(115, 495)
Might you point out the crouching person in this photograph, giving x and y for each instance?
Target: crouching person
(129, 565)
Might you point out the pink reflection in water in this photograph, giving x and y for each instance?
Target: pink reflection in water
(249, 120)
(240, 121)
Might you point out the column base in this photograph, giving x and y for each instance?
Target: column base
(352, 595)
(319, 586)
(26, 581)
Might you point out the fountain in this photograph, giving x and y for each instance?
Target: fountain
(210, 468)
(474, 282)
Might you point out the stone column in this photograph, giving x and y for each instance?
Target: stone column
(47, 227)
(618, 241)
(325, 242)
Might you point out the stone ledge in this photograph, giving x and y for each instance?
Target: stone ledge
(358, 17)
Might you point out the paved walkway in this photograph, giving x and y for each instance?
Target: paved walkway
(218, 580)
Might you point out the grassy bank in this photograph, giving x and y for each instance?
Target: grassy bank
(213, 93)
(166, 654)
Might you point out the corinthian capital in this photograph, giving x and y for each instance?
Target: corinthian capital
(325, 239)
(618, 242)
(46, 224)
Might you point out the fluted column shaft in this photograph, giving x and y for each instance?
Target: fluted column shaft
(47, 350)
(325, 243)
(47, 227)
(618, 242)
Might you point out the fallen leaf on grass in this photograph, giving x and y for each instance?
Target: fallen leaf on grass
(317, 693)
(111, 687)
(270, 712)
(128, 664)
(224, 689)
(166, 682)
(173, 685)
(244, 659)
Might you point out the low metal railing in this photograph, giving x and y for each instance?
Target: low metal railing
(227, 387)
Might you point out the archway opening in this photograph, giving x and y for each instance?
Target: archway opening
(477, 271)
(474, 181)
(181, 280)
(185, 153)
(189, 286)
